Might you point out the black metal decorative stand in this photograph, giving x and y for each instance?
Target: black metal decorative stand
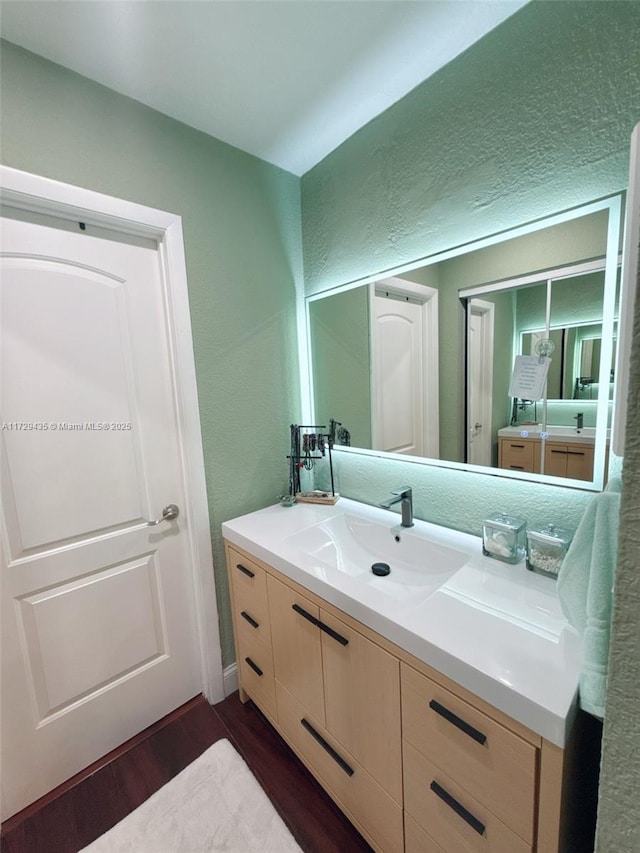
(309, 443)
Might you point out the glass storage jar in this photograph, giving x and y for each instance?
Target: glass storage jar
(546, 547)
(503, 537)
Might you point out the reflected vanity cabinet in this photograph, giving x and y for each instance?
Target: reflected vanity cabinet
(561, 458)
(416, 762)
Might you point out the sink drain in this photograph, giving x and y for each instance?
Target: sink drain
(381, 569)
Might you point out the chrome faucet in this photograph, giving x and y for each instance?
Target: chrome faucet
(405, 497)
(580, 421)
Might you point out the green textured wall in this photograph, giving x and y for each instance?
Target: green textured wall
(241, 221)
(619, 810)
(533, 119)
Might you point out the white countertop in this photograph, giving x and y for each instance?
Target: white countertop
(586, 435)
(494, 628)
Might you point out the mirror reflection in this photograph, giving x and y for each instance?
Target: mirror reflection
(421, 363)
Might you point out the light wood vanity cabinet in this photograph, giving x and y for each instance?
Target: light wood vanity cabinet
(415, 761)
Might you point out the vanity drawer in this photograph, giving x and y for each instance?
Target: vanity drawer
(520, 454)
(249, 583)
(496, 766)
(250, 629)
(449, 814)
(357, 793)
(416, 840)
(255, 666)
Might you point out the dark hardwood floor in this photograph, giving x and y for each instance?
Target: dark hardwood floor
(82, 809)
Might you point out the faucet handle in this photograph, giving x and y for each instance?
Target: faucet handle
(403, 491)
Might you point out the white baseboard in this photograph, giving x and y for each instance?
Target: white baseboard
(230, 679)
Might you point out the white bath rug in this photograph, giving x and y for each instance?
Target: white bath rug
(214, 805)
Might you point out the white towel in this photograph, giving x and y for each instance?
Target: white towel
(585, 589)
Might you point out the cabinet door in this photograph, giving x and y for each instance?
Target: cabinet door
(362, 701)
(580, 462)
(297, 655)
(569, 460)
(555, 459)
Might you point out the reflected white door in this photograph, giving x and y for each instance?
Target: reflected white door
(480, 389)
(98, 609)
(399, 370)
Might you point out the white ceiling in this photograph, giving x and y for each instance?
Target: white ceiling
(286, 80)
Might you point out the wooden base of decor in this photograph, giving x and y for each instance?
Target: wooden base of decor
(316, 497)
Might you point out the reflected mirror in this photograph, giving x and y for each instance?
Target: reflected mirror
(420, 362)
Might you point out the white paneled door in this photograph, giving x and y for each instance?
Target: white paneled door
(99, 614)
(399, 363)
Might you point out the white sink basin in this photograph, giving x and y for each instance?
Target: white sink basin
(352, 544)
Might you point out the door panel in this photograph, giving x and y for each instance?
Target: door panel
(480, 384)
(67, 627)
(98, 611)
(399, 361)
(69, 379)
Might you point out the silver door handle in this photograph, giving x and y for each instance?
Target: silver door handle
(169, 513)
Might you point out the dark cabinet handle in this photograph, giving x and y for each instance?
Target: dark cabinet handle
(254, 666)
(519, 446)
(560, 451)
(249, 619)
(306, 615)
(576, 453)
(342, 640)
(245, 570)
(342, 764)
(516, 467)
(461, 724)
(458, 808)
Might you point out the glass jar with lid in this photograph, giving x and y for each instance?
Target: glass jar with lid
(503, 537)
(546, 548)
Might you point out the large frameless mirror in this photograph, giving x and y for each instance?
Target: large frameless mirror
(421, 362)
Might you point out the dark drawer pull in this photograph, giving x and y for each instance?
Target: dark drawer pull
(342, 640)
(559, 451)
(254, 666)
(516, 467)
(458, 808)
(305, 614)
(576, 452)
(245, 570)
(519, 446)
(342, 764)
(249, 619)
(457, 721)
